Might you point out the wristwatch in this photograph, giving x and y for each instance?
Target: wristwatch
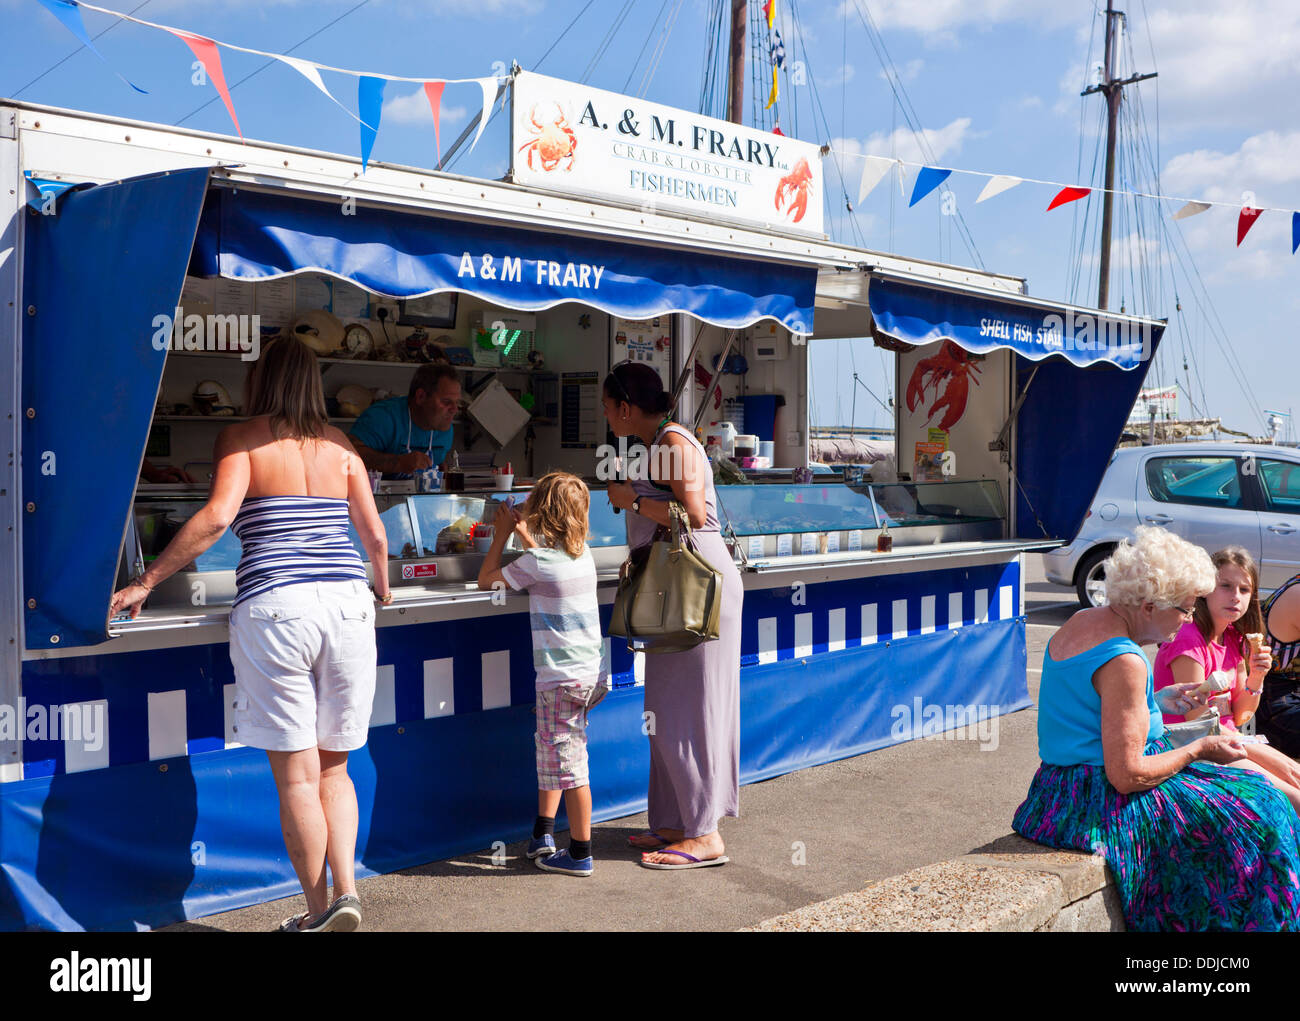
(636, 505)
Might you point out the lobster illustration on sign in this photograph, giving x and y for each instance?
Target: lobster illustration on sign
(793, 190)
(930, 372)
(552, 142)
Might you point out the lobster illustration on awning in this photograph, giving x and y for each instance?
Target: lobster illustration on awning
(951, 361)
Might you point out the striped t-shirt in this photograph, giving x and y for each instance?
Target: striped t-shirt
(291, 540)
(563, 611)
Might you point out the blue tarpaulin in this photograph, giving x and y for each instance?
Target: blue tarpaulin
(920, 314)
(251, 235)
(95, 277)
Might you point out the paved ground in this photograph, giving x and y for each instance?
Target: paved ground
(856, 820)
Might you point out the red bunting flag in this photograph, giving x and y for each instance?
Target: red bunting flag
(1066, 195)
(434, 91)
(776, 130)
(1245, 221)
(206, 50)
(769, 9)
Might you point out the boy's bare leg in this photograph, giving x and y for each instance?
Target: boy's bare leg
(548, 803)
(577, 802)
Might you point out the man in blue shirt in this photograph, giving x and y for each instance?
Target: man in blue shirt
(408, 434)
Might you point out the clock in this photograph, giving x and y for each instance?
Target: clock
(358, 341)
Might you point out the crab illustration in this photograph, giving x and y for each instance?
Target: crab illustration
(793, 191)
(552, 142)
(930, 372)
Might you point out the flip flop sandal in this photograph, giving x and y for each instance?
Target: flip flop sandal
(691, 862)
(648, 833)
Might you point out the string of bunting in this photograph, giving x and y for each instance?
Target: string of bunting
(370, 84)
(928, 178)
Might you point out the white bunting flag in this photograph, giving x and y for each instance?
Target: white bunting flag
(874, 170)
(996, 186)
(1191, 209)
(309, 71)
(489, 87)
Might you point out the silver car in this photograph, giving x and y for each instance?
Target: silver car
(1212, 494)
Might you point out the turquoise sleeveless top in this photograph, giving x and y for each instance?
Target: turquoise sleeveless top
(1069, 708)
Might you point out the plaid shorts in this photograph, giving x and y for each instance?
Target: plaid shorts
(562, 736)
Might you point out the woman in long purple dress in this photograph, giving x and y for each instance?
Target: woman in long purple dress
(692, 698)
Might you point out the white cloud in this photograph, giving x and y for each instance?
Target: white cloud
(413, 108)
(1269, 160)
(907, 73)
(938, 19)
(840, 76)
(903, 145)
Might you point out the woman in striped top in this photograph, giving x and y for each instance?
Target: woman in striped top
(302, 633)
(1279, 710)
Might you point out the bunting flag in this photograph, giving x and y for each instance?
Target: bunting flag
(433, 90)
(489, 87)
(206, 52)
(1066, 195)
(66, 11)
(1295, 232)
(872, 174)
(370, 103)
(771, 98)
(927, 180)
(308, 70)
(1191, 209)
(997, 185)
(776, 129)
(778, 49)
(1245, 221)
(769, 8)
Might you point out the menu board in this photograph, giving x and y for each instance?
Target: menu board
(581, 419)
(648, 341)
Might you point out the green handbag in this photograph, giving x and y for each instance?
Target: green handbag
(669, 597)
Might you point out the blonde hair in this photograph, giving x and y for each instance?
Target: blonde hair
(284, 383)
(556, 512)
(1158, 567)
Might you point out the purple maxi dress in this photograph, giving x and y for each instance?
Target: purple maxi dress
(694, 695)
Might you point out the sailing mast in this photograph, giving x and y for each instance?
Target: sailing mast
(1113, 89)
(736, 92)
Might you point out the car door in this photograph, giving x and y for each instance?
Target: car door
(1199, 497)
(1279, 519)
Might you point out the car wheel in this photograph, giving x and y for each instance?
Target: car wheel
(1090, 583)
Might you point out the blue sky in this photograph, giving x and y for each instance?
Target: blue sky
(993, 86)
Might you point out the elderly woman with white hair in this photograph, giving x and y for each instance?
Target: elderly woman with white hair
(1192, 845)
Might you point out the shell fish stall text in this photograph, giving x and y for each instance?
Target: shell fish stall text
(547, 272)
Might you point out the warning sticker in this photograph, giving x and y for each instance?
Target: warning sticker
(412, 571)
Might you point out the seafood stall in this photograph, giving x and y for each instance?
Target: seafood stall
(126, 800)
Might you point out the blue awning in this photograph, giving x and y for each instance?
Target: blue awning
(919, 314)
(252, 235)
(94, 278)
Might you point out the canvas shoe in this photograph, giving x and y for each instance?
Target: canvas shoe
(564, 864)
(541, 847)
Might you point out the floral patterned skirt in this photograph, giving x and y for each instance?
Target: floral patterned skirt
(1211, 848)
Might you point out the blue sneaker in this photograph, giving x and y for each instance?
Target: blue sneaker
(542, 846)
(564, 864)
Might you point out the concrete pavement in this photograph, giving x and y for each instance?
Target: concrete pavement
(801, 838)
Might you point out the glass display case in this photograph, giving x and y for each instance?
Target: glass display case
(429, 541)
(820, 518)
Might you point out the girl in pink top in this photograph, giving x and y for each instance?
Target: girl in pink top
(1214, 641)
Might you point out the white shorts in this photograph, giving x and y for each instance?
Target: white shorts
(304, 659)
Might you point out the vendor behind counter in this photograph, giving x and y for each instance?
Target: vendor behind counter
(407, 434)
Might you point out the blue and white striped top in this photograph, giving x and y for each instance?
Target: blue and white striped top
(290, 540)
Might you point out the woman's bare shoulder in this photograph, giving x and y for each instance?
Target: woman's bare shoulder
(1084, 631)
